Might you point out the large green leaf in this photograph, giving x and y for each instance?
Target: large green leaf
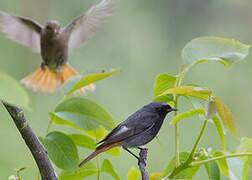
(62, 150)
(12, 92)
(222, 163)
(133, 174)
(162, 83)
(225, 51)
(226, 115)
(79, 173)
(190, 113)
(190, 91)
(80, 81)
(108, 168)
(84, 114)
(88, 142)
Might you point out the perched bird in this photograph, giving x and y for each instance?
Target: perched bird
(54, 43)
(139, 129)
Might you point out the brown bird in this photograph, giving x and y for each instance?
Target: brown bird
(54, 43)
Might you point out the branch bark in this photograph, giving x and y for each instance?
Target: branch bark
(142, 163)
(37, 149)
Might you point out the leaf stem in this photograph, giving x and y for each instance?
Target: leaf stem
(49, 126)
(218, 158)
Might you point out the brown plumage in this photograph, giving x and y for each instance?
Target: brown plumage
(54, 43)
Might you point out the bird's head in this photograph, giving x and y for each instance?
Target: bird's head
(159, 107)
(52, 27)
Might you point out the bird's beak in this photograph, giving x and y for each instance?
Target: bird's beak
(172, 109)
(55, 31)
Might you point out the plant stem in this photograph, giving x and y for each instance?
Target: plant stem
(98, 168)
(176, 126)
(176, 135)
(198, 140)
(191, 156)
(218, 158)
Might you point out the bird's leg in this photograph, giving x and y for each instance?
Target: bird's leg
(141, 149)
(131, 153)
(59, 63)
(42, 66)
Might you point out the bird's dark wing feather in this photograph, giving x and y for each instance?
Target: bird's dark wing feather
(22, 30)
(82, 27)
(139, 122)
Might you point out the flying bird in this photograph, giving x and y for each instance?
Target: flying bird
(139, 129)
(54, 42)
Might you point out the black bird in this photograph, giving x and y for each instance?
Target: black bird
(139, 129)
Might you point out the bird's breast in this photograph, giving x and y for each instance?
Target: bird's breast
(53, 51)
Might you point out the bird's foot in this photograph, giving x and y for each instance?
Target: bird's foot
(59, 63)
(142, 149)
(142, 156)
(42, 66)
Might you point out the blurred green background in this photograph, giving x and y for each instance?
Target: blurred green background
(143, 38)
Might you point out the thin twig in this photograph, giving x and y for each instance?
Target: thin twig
(37, 149)
(142, 163)
(198, 163)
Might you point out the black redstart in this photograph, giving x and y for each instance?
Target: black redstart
(54, 42)
(139, 129)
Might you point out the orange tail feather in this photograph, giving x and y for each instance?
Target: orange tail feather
(47, 80)
(98, 151)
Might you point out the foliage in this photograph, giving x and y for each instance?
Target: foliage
(92, 122)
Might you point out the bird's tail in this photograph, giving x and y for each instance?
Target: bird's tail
(99, 150)
(47, 80)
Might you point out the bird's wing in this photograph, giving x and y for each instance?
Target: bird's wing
(82, 27)
(22, 30)
(134, 125)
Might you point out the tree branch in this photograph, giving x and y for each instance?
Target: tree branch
(37, 149)
(142, 163)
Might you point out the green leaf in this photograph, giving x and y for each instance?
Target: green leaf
(193, 112)
(83, 141)
(235, 168)
(84, 114)
(214, 171)
(108, 168)
(225, 51)
(162, 83)
(245, 145)
(62, 150)
(226, 115)
(170, 167)
(133, 174)
(78, 174)
(88, 142)
(155, 176)
(77, 82)
(247, 169)
(190, 91)
(11, 92)
(220, 132)
(222, 163)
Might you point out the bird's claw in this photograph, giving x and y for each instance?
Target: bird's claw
(42, 66)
